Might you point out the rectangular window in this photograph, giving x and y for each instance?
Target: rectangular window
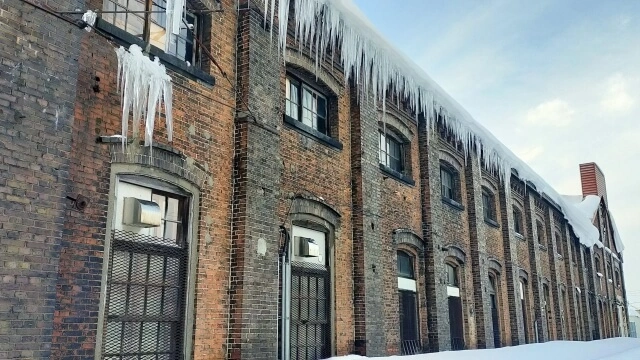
(391, 153)
(146, 281)
(146, 20)
(306, 105)
(446, 178)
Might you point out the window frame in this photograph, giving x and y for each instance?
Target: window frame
(454, 198)
(489, 209)
(517, 221)
(330, 136)
(148, 20)
(390, 139)
(175, 185)
(301, 87)
(405, 255)
(453, 271)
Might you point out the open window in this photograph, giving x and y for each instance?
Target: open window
(146, 20)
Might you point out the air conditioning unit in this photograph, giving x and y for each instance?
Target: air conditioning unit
(141, 213)
(307, 247)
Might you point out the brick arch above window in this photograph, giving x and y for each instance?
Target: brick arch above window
(408, 237)
(490, 184)
(523, 274)
(396, 125)
(312, 206)
(301, 62)
(451, 160)
(456, 253)
(494, 265)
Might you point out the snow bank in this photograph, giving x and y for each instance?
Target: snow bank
(143, 85)
(608, 349)
(377, 64)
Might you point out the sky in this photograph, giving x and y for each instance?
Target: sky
(558, 82)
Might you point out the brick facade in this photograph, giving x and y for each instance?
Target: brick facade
(254, 175)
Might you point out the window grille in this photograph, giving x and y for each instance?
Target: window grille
(310, 312)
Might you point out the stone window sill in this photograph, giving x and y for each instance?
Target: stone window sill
(542, 247)
(491, 222)
(397, 175)
(519, 236)
(312, 133)
(169, 61)
(454, 204)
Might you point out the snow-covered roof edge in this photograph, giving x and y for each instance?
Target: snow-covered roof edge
(617, 239)
(377, 64)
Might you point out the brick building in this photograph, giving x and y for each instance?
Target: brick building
(298, 215)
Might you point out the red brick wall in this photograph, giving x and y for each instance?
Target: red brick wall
(203, 131)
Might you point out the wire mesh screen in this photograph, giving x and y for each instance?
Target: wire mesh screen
(144, 311)
(310, 324)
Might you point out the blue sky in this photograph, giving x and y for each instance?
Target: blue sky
(556, 81)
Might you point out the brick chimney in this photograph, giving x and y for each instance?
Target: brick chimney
(592, 180)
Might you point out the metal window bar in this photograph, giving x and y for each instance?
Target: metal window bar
(411, 347)
(144, 313)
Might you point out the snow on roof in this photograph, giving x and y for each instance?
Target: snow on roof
(589, 206)
(377, 64)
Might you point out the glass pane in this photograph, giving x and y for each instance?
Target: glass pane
(307, 117)
(172, 272)
(307, 98)
(120, 266)
(135, 25)
(164, 337)
(170, 306)
(131, 337)
(139, 268)
(113, 337)
(156, 270)
(322, 107)
(117, 299)
(157, 36)
(136, 300)
(154, 301)
(149, 336)
(171, 226)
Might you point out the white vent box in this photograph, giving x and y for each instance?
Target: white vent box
(308, 247)
(141, 213)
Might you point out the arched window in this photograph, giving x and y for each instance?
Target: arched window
(408, 305)
(517, 221)
(405, 265)
(558, 243)
(392, 151)
(540, 233)
(450, 182)
(488, 205)
(618, 282)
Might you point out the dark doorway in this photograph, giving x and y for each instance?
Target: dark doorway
(455, 323)
(495, 319)
(409, 336)
(523, 303)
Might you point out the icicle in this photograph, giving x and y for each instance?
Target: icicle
(144, 85)
(376, 64)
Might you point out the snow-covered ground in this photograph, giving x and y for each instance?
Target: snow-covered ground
(609, 349)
